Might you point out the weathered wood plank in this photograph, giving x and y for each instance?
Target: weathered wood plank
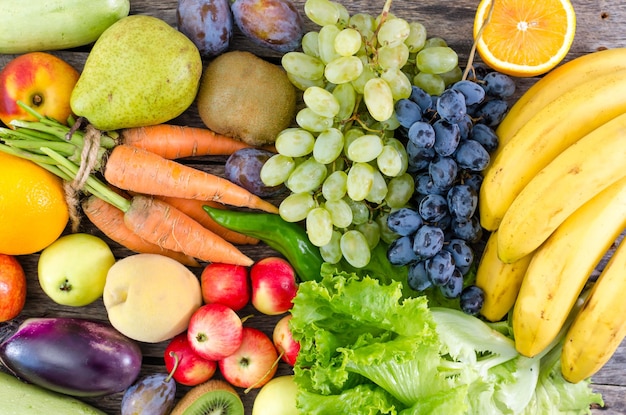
(600, 25)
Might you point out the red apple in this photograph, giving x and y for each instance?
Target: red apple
(191, 369)
(226, 284)
(284, 342)
(12, 287)
(274, 285)
(42, 81)
(215, 331)
(254, 363)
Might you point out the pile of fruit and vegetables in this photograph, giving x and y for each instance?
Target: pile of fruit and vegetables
(434, 233)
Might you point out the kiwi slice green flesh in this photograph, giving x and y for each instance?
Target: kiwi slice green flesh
(214, 397)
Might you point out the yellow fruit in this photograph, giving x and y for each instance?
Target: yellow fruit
(524, 37)
(33, 211)
(600, 326)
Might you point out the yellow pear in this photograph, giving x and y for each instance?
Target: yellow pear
(141, 71)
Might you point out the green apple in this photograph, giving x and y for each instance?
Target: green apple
(73, 269)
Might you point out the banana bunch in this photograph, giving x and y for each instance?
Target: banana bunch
(554, 198)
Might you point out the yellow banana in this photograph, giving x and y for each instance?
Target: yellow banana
(561, 266)
(570, 180)
(554, 128)
(600, 325)
(555, 83)
(500, 281)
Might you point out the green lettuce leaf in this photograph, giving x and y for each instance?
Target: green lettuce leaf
(368, 348)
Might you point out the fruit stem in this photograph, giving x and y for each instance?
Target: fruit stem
(472, 54)
(268, 373)
(176, 361)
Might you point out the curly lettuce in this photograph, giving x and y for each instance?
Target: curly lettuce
(367, 348)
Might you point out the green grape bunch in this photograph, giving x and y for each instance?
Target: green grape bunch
(343, 166)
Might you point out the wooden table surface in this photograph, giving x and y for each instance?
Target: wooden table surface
(601, 24)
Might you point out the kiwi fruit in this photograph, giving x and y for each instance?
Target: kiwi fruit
(214, 396)
(246, 97)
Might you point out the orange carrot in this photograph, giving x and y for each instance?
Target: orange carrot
(193, 208)
(110, 220)
(175, 141)
(158, 222)
(141, 171)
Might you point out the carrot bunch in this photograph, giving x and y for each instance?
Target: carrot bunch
(148, 201)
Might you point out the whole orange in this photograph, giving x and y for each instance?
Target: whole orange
(33, 211)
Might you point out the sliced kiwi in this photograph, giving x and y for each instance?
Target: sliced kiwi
(212, 397)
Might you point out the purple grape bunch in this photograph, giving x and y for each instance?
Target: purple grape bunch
(449, 139)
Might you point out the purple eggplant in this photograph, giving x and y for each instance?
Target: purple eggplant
(73, 356)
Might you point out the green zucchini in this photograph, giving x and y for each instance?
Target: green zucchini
(19, 398)
(41, 25)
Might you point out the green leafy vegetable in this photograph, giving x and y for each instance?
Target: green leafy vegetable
(368, 348)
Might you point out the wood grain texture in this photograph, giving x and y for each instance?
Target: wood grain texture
(601, 24)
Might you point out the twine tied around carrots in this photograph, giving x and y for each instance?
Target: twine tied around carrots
(88, 161)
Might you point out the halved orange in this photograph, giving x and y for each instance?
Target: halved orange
(524, 38)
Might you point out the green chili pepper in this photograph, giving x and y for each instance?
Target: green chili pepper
(290, 239)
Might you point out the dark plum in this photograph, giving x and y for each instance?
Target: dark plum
(208, 23)
(152, 394)
(275, 24)
(243, 167)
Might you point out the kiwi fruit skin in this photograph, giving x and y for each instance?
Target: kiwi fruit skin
(246, 97)
(199, 399)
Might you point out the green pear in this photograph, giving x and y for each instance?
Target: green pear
(141, 71)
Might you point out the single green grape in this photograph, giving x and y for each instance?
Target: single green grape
(307, 176)
(393, 56)
(364, 23)
(311, 121)
(393, 160)
(340, 212)
(328, 146)
(294, 142)
(331, 252)
(366, 75)
(432, 84)
(344, 14)
(417, 37)
(310, 44)
(400, 189)
(321, 12)
(348, 42)
(436, 59)
(319, 226)
(378, 191)
(360, 180)
(371, 231)
(393, 32)
(398, 82)
(378, 99)
(303, 65)
(335, 185)
(296, 206)
(346, 95)
(343, 69)
(360, 210)
(365, 148)
(321, 101)
(355, 248)
(276, 169)
(302, 83)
